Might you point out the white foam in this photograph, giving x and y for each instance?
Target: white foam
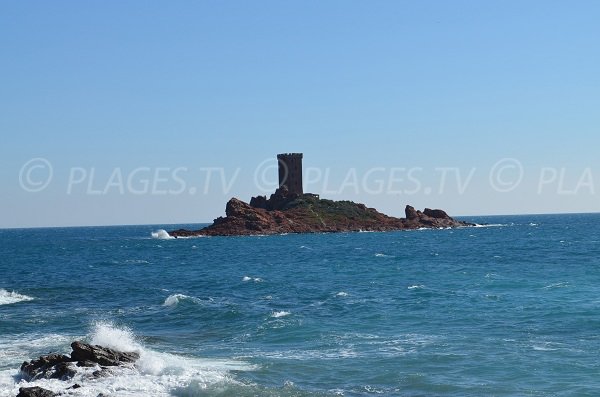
(341, 294)
(279, 314)
(162, 234)
(380, 255)
(557, 285)
(107, 335)
(491, 225)
(136, 261)
(173, 300)
(6, 298)
(255, 279)
(420, 286)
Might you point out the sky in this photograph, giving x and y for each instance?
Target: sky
(158, 112)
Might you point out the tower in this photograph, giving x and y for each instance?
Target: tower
(290, 171)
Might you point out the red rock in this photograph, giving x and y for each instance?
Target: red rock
(285, 212)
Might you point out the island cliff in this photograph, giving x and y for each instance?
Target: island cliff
(286, 212)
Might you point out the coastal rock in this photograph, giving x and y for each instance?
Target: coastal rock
(259, 202)
(101, 355)
(60, 366)
(35, 392)
(439, 214)
(53, 366)
(411, 213)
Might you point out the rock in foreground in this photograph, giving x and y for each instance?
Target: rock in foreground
(286, 212)
(60, 366)
(35, 392)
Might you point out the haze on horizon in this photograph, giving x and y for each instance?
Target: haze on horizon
(158, 113)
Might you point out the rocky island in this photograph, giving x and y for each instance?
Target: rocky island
(290, 210)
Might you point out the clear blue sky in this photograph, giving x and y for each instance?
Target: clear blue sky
(396, 85)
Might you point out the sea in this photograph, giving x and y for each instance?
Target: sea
(508, 308)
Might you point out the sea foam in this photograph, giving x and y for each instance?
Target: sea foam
(279, 314)
(6, 298)
(161, 234)
(173, 300)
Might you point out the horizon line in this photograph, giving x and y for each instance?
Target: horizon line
(208, 223)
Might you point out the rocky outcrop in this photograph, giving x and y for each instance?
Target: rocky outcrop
(85, 354)
(286, 212)
(60, 366)
(52, 366)
(35, 392)
(63, 367)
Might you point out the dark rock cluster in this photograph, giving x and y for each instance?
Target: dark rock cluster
(63, 367)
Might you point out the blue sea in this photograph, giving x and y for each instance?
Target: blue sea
(511, 308)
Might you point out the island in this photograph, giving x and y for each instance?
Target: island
(290, 210)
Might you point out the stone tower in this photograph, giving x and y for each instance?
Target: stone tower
(290, 171)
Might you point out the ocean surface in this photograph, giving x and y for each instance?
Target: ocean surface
(509, 309)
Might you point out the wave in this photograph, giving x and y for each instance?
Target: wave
(490, 225)
(557, 285)
(255, 279)
(6, 298)
(380, 255)
(173, 300)
(161, 234)
(420, 286)
(279, 314)
(154, 374)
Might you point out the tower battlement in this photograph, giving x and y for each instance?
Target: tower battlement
(290, 172)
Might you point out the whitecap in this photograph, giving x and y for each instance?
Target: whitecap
(6, 297)
(161, 234)
(557, 285)
(255, 279)
(420, 286)
(279, 314)
(380, 255)
(172, 300)
(341, 294)
(136, 261)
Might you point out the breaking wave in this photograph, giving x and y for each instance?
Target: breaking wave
(154, 374)
(6, 298)
(279, 314)
(255, 279)
(173, 300)
(161, 234)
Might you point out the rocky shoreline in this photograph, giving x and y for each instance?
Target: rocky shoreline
(97, 359)
(286, 212)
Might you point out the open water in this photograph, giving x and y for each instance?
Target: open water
(509, 309)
